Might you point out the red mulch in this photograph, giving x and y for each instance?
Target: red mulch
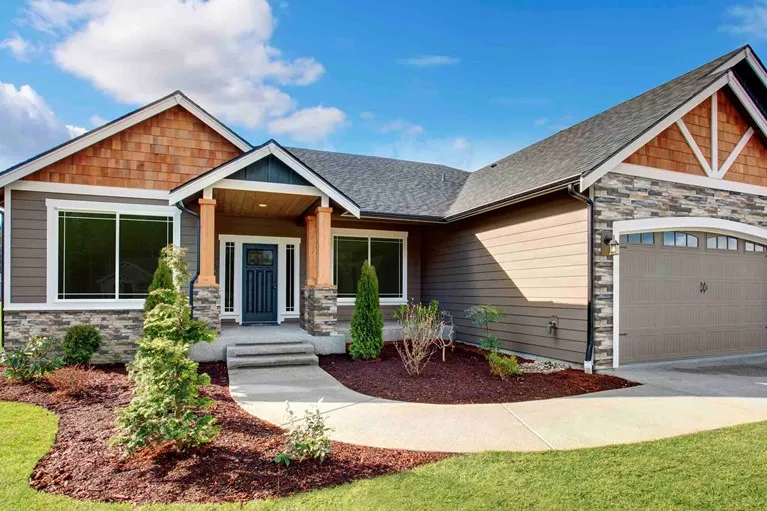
(236, 466)
(463, 378)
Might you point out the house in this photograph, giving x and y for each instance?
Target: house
(639, 234)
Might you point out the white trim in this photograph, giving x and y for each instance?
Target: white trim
(715, 131)
(116, 305)
(730, 62)
(262, 186)
(659, 224)
(694, 147)
(207, 193)
(747, 102)
(593, 176)
(106, 191)
(736, 151)
(108, 130)
(7, 250)
(227, 169)
(631, 169)
(54, 206)
(370, 233)
(282, 243)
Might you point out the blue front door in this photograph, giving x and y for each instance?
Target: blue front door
(259, 283)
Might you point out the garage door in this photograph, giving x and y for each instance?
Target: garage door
(691, 294)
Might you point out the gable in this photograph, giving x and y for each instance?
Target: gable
(270, 170)
(741, 153)
(158, 153)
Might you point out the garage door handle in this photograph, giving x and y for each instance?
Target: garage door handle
(703, 287)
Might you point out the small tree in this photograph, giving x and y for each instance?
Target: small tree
(423, 328)
(367, 321)
(483, 316)
(166, 407)
(162, 279)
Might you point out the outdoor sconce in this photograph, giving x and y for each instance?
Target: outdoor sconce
(609, 245)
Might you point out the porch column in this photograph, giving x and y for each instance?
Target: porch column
(324, 244)
(311, 251)
(207, 243)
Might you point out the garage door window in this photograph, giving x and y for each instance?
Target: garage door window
(642, 238)
(679, 239)
(722, 243)
(755, 247)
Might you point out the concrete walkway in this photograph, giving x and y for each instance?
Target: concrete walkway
(658, 409)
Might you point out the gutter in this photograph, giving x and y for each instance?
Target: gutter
(180, 205)
(588, 362)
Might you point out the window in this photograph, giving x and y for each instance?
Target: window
(290, 278)
(643, 238)
(386, 254)
(721, 242)
(109, 255)
(229, 275)
(679, 239)
(755, 247)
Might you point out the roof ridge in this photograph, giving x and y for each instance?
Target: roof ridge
(290, 148)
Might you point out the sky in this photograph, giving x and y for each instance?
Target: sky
(462, 83)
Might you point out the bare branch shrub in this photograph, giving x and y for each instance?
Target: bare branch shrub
(423, 329)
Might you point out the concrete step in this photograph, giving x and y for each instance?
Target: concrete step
(288, 339)
(283, 348)
(292, 359)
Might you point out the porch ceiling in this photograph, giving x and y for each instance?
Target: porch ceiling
(247, 203)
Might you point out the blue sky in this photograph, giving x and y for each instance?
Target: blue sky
(456, 82)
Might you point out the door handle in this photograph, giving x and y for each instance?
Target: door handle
(274, 285)
(703, 287)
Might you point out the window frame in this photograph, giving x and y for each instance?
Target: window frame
(55, 206)
(368, 234)
(686, 246)
(755, 244)
(727, 237)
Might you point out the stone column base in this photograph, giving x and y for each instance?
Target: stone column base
(320, 310)
(207, 306)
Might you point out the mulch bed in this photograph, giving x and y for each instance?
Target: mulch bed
(463, 378)
(236, 466)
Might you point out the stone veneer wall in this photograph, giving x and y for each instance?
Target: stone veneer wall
(119, 330)
(319, 311)
(621, 197)
(207, 305)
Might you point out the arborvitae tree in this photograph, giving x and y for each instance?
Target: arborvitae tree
(367, 321)
(162, 279)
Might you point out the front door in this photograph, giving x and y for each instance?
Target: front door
(259, 283)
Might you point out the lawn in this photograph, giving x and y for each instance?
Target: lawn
(725, 469)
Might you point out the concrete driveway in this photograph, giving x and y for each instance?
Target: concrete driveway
(674, 399)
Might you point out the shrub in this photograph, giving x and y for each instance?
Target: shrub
(307, 437)
(166, 408)
(502, 365)
(162, 279)
(33, 360)
(80, 343)
(422, 334)
(485, 315)
(367, 321)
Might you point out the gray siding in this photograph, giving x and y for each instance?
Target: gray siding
(28, 239)
(529, 259)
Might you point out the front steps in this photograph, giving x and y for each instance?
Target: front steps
(265, 353)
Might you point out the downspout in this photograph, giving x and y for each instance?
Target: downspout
(588, 362)
(180, 205)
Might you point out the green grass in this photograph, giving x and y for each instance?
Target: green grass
(725, 469)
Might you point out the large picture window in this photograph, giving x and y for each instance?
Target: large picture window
(109, 255)
(386, 254)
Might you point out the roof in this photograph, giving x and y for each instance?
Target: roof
(385, 186)
(577, 150)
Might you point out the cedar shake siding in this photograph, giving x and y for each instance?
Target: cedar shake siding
(159, 153)
(529, 259)
(28, 239)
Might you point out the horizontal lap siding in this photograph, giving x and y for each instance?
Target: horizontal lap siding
(28, 240)
(530, 260)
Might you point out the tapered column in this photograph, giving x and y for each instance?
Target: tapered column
(207, 243)
(324, 241)
(311, 251)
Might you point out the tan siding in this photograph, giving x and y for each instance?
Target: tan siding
(28, 240)
(528, 259)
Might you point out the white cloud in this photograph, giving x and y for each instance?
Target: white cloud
(96, 120)
(429, 60)
(217, 51)
(750, 20)
(75, 131)
(310, 124)
(401, 126)
(28, 125)
(20, 48)
(459, 152)
(541, 121)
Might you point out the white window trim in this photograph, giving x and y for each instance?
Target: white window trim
(659, 224)
(282, 244)
(54, 206)
(368, 233)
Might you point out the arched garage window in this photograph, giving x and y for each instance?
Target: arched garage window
(679, 239)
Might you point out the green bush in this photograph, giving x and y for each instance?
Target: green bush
(80, 343)
(33, 360)
(166, 409)
(367, 321)
(502, 365)
(307, 437)
(162, 279)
